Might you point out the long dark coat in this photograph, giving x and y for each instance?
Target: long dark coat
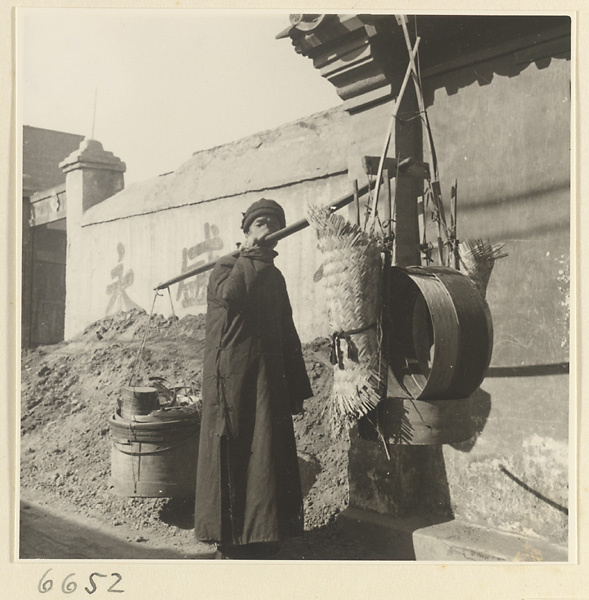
(248, 486)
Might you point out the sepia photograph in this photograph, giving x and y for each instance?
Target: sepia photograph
(294, 287)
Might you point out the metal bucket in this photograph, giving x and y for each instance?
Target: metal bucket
(157, 456)
(439, 334)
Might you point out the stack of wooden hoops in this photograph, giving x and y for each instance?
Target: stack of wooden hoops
(439, 343)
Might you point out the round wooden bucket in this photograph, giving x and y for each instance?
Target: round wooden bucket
(155, 457)
(440, 334)
(137, 401)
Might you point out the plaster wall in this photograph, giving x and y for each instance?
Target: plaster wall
(121, 261)
(509, 149)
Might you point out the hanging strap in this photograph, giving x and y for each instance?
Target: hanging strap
(337, 356)
(139, 360)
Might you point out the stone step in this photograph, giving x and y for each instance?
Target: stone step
(460, 541)
(426, 538)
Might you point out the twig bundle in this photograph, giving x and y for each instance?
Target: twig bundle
(352, 274)
(478, 259)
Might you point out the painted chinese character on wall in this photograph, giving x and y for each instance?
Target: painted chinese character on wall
(192, 291)
(117, 290)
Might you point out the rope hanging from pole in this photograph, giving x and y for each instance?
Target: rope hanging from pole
(139, 360)
(188, 388)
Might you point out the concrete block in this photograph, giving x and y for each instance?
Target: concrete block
(460, 541)
(430, 538)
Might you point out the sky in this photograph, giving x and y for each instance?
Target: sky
(167, 83)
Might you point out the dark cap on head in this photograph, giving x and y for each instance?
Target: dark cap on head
(263, 207)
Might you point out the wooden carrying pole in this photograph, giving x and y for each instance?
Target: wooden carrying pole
(274, 237)
(435, 184)
(389, 133)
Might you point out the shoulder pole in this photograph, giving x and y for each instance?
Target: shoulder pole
(278, 235)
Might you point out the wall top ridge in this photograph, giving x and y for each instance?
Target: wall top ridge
(308, 149)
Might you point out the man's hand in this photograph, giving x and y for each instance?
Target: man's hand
(259, 230)
(298, 409)
(254, 241)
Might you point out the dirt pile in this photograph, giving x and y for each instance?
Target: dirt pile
(70, 390)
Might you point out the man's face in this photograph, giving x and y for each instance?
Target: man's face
(262, 227)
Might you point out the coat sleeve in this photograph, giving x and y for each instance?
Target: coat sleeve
(227, 283)
(233, 277)
(299, 387)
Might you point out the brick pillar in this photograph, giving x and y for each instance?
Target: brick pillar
(92, 175)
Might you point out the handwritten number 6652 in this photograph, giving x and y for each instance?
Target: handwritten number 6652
(68, 586)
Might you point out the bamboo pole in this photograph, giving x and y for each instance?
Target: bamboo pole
(274, 237)
(435, 185)
(392, 122)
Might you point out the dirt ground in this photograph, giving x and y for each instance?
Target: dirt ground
(70, 390)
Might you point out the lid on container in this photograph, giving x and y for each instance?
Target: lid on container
(139, 392)
(172, 413)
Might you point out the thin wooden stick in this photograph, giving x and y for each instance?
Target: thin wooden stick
(436, 193)
(357, 201)
(390, 129)
(454, 223)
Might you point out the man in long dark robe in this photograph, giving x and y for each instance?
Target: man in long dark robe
(248, 491)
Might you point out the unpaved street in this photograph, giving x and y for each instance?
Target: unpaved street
(45, 534)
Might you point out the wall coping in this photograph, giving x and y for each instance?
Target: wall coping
(308, 149)
(92, 155)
